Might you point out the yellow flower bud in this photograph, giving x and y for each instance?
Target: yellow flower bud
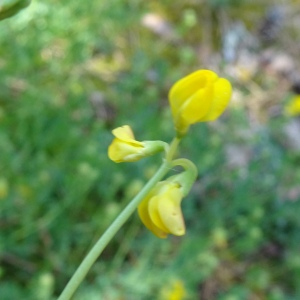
(160, 211)
(199, 97)
(124, 148)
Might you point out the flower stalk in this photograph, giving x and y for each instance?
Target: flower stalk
(111, 231)
(199, 97)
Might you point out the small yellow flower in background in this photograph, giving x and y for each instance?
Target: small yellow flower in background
(293, 107)
(124, 148)
(160, 211)
(4, 188)
(175, 291)
(199, 97)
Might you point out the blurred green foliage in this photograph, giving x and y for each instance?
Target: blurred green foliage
(9, 8)
(70, 71)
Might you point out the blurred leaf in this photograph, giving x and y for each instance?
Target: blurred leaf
(9, 8)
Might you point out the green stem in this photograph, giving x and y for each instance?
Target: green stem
(97, 249)
(186, 164)
(186, 178)
(173, 148)
(94, 253)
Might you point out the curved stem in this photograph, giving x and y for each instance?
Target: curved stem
(186, 178)
(186, 164)
(97, 249)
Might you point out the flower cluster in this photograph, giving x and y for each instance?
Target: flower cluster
(199, 97)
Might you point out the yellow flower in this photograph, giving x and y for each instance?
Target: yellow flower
(124, 148)
(160, 211)
(293, 107)
(176, 291)
(199, 97)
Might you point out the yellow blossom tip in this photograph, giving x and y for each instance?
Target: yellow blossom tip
(125, 133)
(125, 148)
(199, 97)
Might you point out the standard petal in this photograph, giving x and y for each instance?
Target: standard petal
(125, 134)
(222, 95)
(187, 86)
(198, 105)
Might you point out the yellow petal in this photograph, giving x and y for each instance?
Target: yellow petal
(125, 134)
(120, 151)
(154, 213)
(293, 107)
(184, 88)
(198, 105)
(222, 95)
(170, 212)
(145, 218)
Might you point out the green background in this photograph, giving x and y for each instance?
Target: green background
(70, 72)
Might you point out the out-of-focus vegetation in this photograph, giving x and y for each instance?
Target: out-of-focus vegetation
(9, 8)
(70, 71)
